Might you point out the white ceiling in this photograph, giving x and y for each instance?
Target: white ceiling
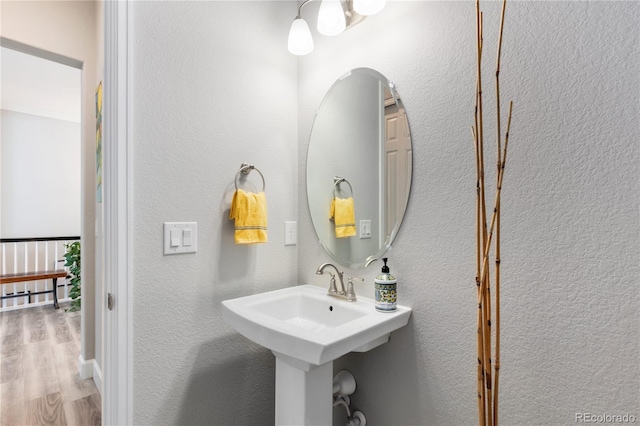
(37, 86)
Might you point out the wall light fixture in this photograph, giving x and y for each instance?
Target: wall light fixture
(334, 17)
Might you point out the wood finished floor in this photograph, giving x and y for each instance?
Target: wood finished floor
(39, 380)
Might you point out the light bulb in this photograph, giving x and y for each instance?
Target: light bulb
(300, 41)
(331, 20)
(368, 7)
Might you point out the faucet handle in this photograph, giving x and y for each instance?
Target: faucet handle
(332, 284)
(351, 294)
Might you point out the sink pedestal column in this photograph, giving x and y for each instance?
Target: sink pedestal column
(304, 394)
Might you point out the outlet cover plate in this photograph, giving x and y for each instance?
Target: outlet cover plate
(290, 233)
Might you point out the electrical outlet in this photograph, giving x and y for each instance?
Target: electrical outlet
(365, 229)
(290, 233)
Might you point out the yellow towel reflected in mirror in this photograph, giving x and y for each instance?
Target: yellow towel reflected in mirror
(343, 214)
(250, 213)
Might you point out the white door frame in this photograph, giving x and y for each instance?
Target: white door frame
(117, 323)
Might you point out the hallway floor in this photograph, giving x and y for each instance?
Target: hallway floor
(39, 380)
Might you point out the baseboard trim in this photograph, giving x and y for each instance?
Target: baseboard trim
(90, 369)
(85, 368)
(97, 376)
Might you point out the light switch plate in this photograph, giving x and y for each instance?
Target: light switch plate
(180, 232)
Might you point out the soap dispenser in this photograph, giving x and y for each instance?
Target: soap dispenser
(386, 290)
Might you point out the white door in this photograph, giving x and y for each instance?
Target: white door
(397, 173)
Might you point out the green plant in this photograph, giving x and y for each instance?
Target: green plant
(72, 257)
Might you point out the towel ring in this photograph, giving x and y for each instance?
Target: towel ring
(337, 180)
(245, 169)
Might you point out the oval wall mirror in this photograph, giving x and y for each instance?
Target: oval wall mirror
(359, 149)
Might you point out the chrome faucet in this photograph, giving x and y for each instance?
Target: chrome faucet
(333, 291)
(349, 294)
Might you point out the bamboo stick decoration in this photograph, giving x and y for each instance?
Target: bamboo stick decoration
(499, 175)
(488, 372)
(480, 222)
(480, 342)
(484, 338)
(496, 375)
(488, 403)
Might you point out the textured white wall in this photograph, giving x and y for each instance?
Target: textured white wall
(213, 86)
(570, 333)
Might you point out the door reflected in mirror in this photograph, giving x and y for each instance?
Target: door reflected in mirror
(359, 167)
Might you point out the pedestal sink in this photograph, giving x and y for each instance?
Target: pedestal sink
(307, 330)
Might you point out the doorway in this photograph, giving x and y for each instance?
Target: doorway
(41, 200)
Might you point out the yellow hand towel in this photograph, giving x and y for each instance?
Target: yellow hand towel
(250, 213)
(343, 214)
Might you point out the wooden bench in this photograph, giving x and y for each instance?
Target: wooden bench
(34, 276)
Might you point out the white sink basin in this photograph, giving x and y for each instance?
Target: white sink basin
(305, 327)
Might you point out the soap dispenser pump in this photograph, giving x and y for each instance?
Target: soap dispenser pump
(386, 290)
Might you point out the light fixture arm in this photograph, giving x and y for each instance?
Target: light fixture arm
(300, 8)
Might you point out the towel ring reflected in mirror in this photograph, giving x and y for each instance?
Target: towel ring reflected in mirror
(336, 183)
(245, 169)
